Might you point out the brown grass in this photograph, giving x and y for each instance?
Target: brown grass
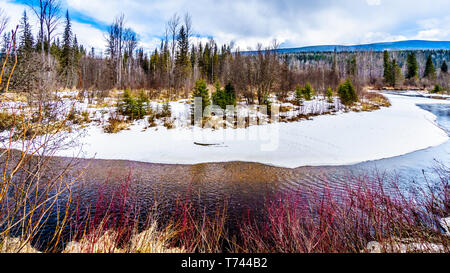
(116, 124)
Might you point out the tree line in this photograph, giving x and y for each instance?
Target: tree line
(50, 62)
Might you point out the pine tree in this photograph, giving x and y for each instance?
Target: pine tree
(26, 40)
(387, 68)
(224, 97)
(430, 70)
(201, 91)
(413, 67)
(397, 76)
(6, 41)
(182, 62)
(308, 91)
(351, 66)
(329, 95)
(347, 93)
(299, 95)
(444, 67)
(76, 52)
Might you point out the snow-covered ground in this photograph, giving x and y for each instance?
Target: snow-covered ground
(341, 139)
(414, 93)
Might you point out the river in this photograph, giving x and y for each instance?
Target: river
(241, 186)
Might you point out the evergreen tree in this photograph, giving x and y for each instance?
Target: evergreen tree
(430, 70)
(444, 67)
(351, 66)
(308, 91)
(347, 93)
(182, 61)
(193, 57)
(55, 50)
(224, 98)
(6, 41)
(437, 89)
(76, 53)
(413, 67)
(387, 68)
(397, 76)
(329, 95)
(299, 95)
(66, 59)
(201, 91)
(26, 39)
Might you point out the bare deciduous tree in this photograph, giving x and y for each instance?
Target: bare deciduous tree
(39, 8)
(52, 17)
(4, 19)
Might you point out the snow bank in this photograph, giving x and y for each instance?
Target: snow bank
(342, 139)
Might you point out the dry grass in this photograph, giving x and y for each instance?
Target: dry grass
(14, 97)
(15, 245)
(169, 124)
(377, 99)
(286, 109)
(8, 121)
(116, 124)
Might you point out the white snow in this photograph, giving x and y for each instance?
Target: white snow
(342, 139)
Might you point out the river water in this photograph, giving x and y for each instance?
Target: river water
(241, 186)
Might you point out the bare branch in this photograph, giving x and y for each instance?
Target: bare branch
(52, 18)
(4, 19)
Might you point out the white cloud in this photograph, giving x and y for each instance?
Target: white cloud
(89, 36)
(247, 23)
(373, 2)
(14, 12)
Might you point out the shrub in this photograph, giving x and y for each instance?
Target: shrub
(223, 98)
(115, 125)
(268, 104)
(85, 116)
(8, 121)
(347, 93)
(305, 93)
(166, 111)
(132, 107)
(329, 95)
(299, 96)
(168, 123)
(437, 89)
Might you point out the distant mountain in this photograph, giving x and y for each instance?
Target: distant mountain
(391, 46)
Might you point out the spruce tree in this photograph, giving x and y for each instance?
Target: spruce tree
(201, 91)
(444, 67)
(430, 70)
(6, 41)
(66, 60)
(308, 91)
(413, 67)
(351, 66)
(347, 93)
(397, 76)
(224, 97)
(387, 68)
(299, 95)
(329, 95)
(26, 40)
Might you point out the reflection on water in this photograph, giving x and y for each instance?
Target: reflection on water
(242, 186)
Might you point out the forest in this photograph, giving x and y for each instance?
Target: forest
(58, 62)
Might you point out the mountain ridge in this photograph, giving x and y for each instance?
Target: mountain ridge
(390, 46)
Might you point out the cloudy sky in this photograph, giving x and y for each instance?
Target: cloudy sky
(294, 23)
